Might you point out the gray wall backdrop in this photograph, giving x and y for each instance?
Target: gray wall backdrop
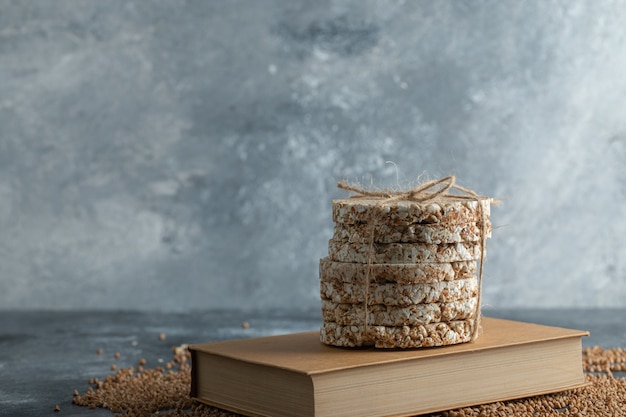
(183, 154)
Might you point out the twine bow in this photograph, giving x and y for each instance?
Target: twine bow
(427, 192)
(420, 194)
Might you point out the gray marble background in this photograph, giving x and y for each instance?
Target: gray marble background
(177, 155)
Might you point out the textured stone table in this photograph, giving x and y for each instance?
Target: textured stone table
(44, 356)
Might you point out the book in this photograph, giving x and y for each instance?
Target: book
(297, 375)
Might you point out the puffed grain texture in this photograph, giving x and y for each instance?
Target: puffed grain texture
(393, 294)
(384, 315)
(428, 335)
(436, 233)
(367, 210)
(401, 253)
(413, 273)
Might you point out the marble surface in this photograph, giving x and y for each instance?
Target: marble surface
(187, 151)
(44, 356)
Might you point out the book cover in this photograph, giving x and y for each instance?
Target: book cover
(296, 374)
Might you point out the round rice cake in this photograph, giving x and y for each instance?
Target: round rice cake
(412, 273)
(404, 212)
(419, 336)
(385, 315)
(436, 233)
(393, 294)
(402, 253)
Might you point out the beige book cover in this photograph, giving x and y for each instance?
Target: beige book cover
(297, 375)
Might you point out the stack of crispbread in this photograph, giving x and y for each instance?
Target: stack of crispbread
(403, 274)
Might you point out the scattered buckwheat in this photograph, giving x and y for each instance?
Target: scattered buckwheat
(165, 392)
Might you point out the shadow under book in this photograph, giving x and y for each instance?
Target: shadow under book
(297, 375)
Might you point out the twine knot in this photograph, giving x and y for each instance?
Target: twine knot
(426, 192)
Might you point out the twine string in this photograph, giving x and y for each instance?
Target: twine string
(429, 191)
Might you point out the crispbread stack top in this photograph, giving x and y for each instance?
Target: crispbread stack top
(401, 267)
(404, 212)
